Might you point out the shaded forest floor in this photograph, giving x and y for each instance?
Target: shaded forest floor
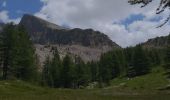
(153, 86)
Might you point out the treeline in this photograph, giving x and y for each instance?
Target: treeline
(17, 56)
(129, 62)
(19, 61)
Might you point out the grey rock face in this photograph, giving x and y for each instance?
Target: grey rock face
(43, 32)
(88, 44)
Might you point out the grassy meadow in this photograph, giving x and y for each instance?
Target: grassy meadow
(147, 87)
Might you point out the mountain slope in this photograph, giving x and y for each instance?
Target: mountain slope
(43, 32)
(158, 42)
(88, 44)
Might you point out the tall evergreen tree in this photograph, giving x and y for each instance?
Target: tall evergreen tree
(140, 61)
(120, 63)
(18, 54)
(105, 69)
(46, 80)
(5, 49)
(81, 73)
(129, 59)
(94, 70)
(154, 56)
(55, 69)
(66, 75)
(23, 56)
(167, 57)
(51, 71)
(167, 60)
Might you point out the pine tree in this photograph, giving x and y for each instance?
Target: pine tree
(105, 69)
(66, 75)
(23, 53)
(5, 49)
(55, 69)
(94, 68)
(131, 72)
(18, 54)
(140, 61)
(46, 80)
(1, 54)
(119, 59)
(129, 52)
(81, 73)
(167, 58)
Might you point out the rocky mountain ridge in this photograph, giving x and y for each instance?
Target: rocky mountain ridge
(88, 44)
(158, 42)
(43, 32)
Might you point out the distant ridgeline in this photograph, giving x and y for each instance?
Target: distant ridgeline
(43, 32)
(158, 42)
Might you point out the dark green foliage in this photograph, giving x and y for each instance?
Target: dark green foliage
(121, 63)
(94, 71)
(5, 48)
(110, 65)
(140, 61)
(81, 73)
(45, 73)
(155, 57)
(167, 51)
(17, 54)
(55, 69)
(167, 61)
(51, 71)
(105, 69)
(67, 72)
(130, 71)
(22, 56)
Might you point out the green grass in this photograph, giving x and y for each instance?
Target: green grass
(153, 81)
(140, 88)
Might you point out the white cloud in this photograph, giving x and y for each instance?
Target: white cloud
(15, 21)
(4, 17)
(101, 14)
(143, 30)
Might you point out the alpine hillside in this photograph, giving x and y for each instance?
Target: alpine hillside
(87, 43)
(158, 42)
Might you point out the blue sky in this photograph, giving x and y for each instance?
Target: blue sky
(16, 8)
(125, 24)
(132, 18)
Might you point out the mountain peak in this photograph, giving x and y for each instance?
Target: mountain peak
(27, 18)
(86, 43)
(44, 32)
